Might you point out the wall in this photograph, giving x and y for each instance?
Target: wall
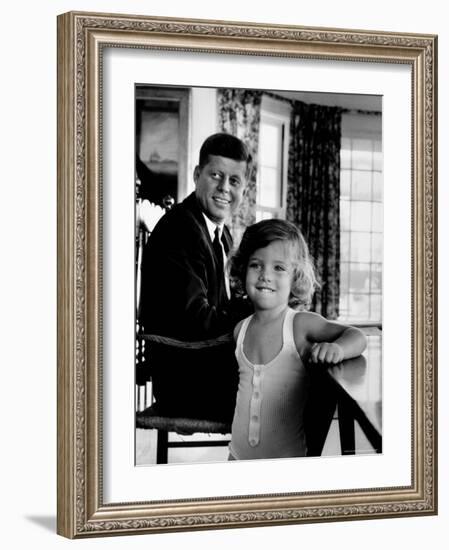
(203, 122)
(28, 272)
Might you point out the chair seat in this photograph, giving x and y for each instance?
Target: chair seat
(151, 419)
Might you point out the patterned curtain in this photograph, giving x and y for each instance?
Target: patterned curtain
(239, 115)
(313, 197)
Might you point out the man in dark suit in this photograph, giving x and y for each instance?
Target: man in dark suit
(186, 296)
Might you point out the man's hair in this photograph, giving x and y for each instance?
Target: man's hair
(260, 235)
(225, 145)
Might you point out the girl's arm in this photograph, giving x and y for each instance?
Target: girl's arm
(327, 341)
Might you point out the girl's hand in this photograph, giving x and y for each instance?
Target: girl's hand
(326, 352)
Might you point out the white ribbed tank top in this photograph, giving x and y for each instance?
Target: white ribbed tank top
(268, 418)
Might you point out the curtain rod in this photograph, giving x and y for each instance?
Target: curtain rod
(343, 109)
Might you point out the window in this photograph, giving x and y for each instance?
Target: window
(361, 219)
(273, 151)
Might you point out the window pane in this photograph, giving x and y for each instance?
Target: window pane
(344, 278)
(269, 188)
(362, 155)
(377, 216)
(376, 278)
(377, 156)
(359, 277)
(345, 215)
(359, 306)
(343, 306)
(377, 186)
(360, 216)
(344, 246)
(270, 144)
(376, 307)
(263, 215)
(377, 247)
(361, 185)
(345, 184)
(360, 247)
(345, 153)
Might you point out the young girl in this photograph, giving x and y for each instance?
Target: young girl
(273, 265)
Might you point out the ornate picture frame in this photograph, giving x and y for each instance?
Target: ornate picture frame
(82, 41)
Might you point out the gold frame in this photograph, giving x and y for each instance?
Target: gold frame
(81, 37)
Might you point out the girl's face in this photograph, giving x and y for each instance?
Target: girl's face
(269, 276)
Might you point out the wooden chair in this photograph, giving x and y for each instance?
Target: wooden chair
(149, 418)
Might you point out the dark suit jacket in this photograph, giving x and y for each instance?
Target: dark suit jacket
(183, 297)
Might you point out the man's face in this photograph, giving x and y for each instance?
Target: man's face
(220, 186)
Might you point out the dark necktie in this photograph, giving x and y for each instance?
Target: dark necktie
(218, 250)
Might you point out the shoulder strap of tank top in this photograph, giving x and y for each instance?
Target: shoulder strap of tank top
(288, 333)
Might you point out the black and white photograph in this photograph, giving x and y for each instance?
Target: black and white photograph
(258, 274)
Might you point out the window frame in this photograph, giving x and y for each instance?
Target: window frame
(276, 111)
(364, 125)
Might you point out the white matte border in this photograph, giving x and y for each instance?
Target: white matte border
(122, 481)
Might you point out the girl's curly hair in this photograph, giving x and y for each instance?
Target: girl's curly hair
(260, 235)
